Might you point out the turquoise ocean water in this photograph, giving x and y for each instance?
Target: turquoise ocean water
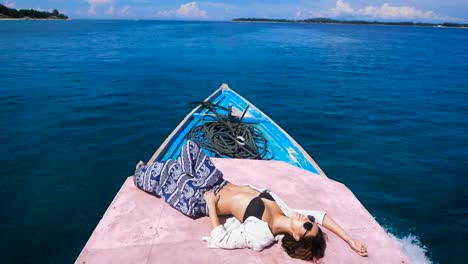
(382, 109)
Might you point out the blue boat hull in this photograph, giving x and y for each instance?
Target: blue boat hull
(281, 146)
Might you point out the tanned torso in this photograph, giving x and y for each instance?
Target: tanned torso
(233, 200)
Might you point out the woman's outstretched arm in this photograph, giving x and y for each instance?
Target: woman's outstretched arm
(358, 246)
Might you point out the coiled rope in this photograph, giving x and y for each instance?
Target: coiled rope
(227, 136)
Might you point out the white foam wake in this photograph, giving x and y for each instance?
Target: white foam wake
(412, 248)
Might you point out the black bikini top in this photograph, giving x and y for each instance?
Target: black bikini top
(256, 206)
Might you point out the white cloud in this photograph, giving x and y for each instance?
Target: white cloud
(110, 10)
(217, 5)
(9, 4)
(386, 11)
(42, 9)
(188, 10)
(301, 14)
(342, 7)
(124, 10)
(99, 2)
(93, 4)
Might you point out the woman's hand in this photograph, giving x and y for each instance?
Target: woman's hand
(359, 247)
(211, 198)
(355, 245)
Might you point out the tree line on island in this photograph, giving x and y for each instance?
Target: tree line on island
(6, 12)
(359, 22)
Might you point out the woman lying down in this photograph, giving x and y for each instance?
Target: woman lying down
(194, 187)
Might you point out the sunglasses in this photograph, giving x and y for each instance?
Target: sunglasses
(308, 226)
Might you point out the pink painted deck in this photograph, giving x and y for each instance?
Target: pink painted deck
(140, 228)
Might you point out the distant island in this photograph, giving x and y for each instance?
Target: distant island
(355, 22)
(11, 13)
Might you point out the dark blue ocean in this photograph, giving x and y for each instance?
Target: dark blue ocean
(382, 109)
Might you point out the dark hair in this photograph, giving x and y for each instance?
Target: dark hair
(308, 248)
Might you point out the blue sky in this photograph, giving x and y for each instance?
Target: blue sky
(387, 10)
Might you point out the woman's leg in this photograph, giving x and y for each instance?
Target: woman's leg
(147, 177)
(195, 162)
(167, 180)
(182, 183)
